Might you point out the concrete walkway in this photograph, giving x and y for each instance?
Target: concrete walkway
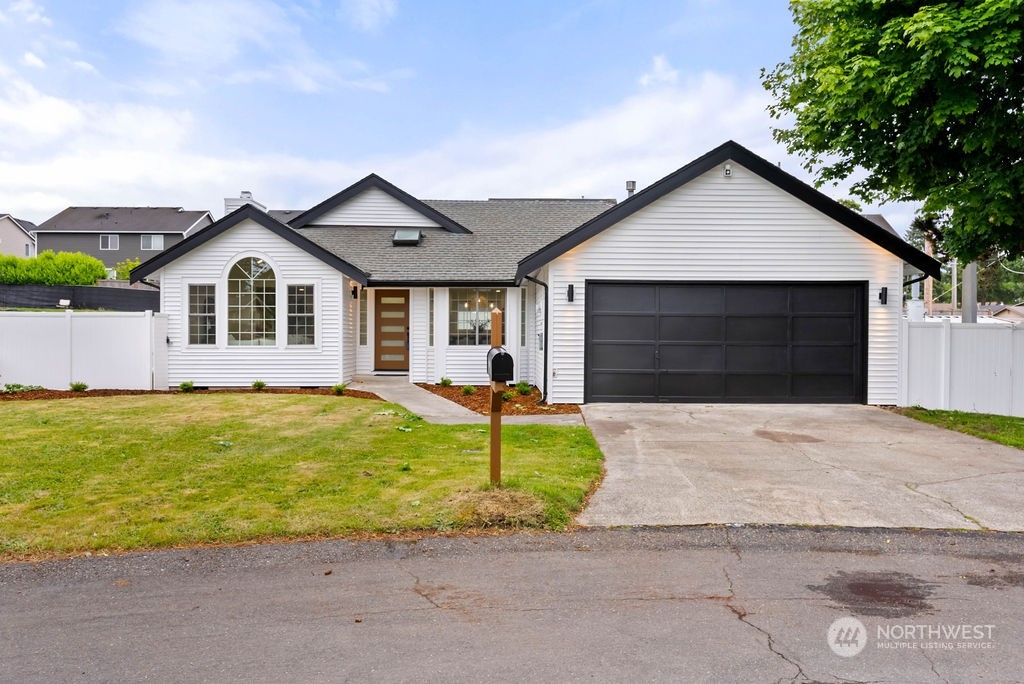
(858, 466)
(435, 409)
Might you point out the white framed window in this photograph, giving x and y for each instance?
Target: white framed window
(252, 303)
(362, 316)
(110, 243)
(28, 250)
(430, 317)
(469, 315)
(522, 317)
(151, 243)
(202, 314)
(301, 315)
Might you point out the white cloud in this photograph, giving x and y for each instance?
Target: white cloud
(29, 12)
(29, 118)
(368, 15)
(30, 59)
(83, 66)
(661, 73)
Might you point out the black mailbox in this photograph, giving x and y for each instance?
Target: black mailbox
(499, 365)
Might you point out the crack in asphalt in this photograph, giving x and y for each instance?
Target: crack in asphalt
(741, 615)
(971, 477)
(913, 486)
(934, 671)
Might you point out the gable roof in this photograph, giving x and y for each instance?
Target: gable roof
(501, 232)
(731, 151)
(375, 181)
(26, 227)
(122, 220)
(243, 213)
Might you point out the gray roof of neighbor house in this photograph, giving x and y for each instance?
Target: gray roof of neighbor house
(122, 220)
(502, 231)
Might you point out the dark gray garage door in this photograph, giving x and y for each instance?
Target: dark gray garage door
(751, 342)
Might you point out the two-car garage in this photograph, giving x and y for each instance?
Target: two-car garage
(726, 342)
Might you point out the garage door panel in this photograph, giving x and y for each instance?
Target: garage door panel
(689, 357)
(691, 386)
(820, 387)
(623, 356)
(721, 342)
(824, 299)
(756, 299)
(757, 329)
(624, 297)
(772, 359)
(832, 359)
(698, 299)
(624, 327)
(757, 387)
(619, 386)
(691, 329)
(824, 329)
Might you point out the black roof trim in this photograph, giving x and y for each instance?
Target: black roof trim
(247, 211)
(732, 151)
(441, 283)
(375, 181)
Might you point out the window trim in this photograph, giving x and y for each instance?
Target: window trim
(111, 239)
(314, 314)
(151, 248)
(189, 314)
(482, 338)
(275, 319)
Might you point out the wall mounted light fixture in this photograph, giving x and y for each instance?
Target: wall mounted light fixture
(355, 292)
(728, 170)
(570, 292)
(883, 296)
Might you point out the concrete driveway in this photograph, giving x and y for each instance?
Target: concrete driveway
(859, 466)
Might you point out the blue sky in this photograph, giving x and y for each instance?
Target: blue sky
(185, 102)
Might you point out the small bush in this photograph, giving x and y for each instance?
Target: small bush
(524, 388)
(78, 387)
(507, 396)
(468, 390)
(187, 386)
(258, 385)
(339, 389)
(14, 388)
(446, 382)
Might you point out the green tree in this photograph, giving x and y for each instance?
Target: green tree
(927, 98)
(62, 268)
(124, 268)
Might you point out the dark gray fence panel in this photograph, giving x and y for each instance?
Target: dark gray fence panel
(79, 297)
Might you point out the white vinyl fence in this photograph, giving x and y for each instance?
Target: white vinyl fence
(963, 367)
(105, 350)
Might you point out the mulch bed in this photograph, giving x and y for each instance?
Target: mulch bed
(519, 405)
(68, 394)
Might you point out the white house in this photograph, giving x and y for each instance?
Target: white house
(728, 280)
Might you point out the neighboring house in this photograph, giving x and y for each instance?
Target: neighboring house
(114, 234)
(16, 237)
(728, 280)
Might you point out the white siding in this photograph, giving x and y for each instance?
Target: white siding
(374, 207)
(714, 228)
(222, 365)
(419, 352)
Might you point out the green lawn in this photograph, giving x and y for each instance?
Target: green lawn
(1003, 429)
(119, 473)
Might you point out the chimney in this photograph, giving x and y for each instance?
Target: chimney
(630, 188)
(244, 197)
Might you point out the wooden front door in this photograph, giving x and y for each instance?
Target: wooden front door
(391, 330)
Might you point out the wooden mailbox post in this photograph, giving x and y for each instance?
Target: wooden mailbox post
(498, 388)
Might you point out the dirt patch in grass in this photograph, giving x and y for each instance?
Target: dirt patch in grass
(518, 405)
(68, 394)
(498, 508)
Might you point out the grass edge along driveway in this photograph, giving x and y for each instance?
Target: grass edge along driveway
(161, 471)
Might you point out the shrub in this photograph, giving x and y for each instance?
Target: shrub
(446, 382)
(123, 269)
(339, 389)
(78, 386)
(524, 388)
(187, 386)
(62, 268)
(14, 388)
(507, 396)
(258, 385)
(468, 390)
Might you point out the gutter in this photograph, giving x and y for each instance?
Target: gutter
(547, 310)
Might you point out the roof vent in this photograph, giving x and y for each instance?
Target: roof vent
(630, 188)
(406, 237)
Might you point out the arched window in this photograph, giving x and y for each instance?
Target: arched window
(252, 303)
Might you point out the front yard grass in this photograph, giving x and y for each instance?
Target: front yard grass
(1003, 429)
(159, 471)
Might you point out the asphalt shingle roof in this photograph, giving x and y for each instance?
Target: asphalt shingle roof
(121, 220)
(503, 232)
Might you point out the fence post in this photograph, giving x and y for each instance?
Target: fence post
(68, 313)
(946, 365)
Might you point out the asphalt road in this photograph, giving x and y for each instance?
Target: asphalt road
(691, 604)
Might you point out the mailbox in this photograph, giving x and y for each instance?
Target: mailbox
(499, 365)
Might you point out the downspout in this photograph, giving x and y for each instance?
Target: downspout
(547, 309)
